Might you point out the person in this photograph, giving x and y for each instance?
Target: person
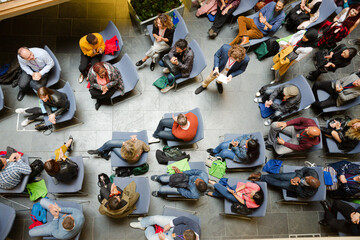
(244, 148)
(183, 127)
(12, 169)
(303, 183)
(349, 225)
(229, 61)
(344, 131)
(62, 168)
(249, 193)
(53, 104)
(192, 182)
(105, 80)
(182, 57)
(67, 222)
(302, 15)
(35, 64)
(289, 95)
(163, 32)
(177, 228)
(92, 47)
(304, 134)
(225, 8)
(117, 203)
(207, 7)
(339, 57)
(269, 21)
(343, 24)
(129, 150)
(341, 91)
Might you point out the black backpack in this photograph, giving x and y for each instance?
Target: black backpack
(37, 167)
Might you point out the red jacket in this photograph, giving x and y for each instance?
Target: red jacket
(189, 134)
(305, 142)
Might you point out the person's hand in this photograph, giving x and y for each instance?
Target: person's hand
(158, 38)
(177, 170)
(14, 157)
(295, 181)
(268, 103)
(229, 78)
(94, 51)
(133, 137)
(36, 76)
(52, 118)
(335, 124)
(235, 143)
(355, 217)
(161, 236)
(262, 19)
(225, 11)
(101, 50)
(222, 6)
(342, 179)
(174, 118)
(104, 89)
(302, 6)
(230, 190)
(216, 71)
(280, 141)
(339, 88)
(328, 56)
(327, 65)
(337, 30)
(281, 125)
(167, 228)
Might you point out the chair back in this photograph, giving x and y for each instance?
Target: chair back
(7, 219)
(110, 31)
(1, 99)
(327, 8)
(54, 74)
(244, 6)
(170, 211)
(181, 30)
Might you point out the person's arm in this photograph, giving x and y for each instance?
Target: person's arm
(48, 61)
(172, 52)
(82, 44)
(114, 75)
(189, 60)
(101, 43)
(188, 194)
(169, 35)
(183, 221)
(276, 92)
(62, 105)
(242, 67)
(240, 152)
(336, 136)
(277, 24)
(193, 172)
(23, 167)
(92, 79)
(295, 147)
(145, 147)
(354, 26)
(349, 96)
(217, 56)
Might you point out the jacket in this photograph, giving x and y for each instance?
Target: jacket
(275, 22)
(186, 60)
(349, 93)
(68, 171)
(291, 104)
(181, 224)
(241, 151)
(301, 51)
(302, 190)
(88, 48)
(56, 228)
(169, 34)
(191, 191)
(58, 100)
(346, 167)
(221, 57)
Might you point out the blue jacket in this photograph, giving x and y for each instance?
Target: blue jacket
(221, 57)
(268, 12)
(191, 191)
(240, 151)
(181, 224)
(344, 167)
(57, 229)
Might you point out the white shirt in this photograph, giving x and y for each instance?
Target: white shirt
(42, 63)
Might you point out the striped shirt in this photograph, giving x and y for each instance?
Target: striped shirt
(11, 176)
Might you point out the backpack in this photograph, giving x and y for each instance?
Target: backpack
(161, 82)
(112, 45)
(38, 212)
(218, 169)
(172, 152)
(240, 209)
(141, 169)
(37, 167)
(179, 180)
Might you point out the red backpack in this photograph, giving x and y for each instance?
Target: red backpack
(35, 222)
(112, 45)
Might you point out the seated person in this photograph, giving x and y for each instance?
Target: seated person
(182, 56)
(129, 150)
(269, 21)
(117, 203)
(178, 228)
(12, 169)
(242, 149)
(183, 127)
(350, 225)
(304, 182)
(304, 134)
(62, 168)
(302, 15)
(290, 98)
(105, 80)
(344, 131)
(249, 193)
(341, 91)
(53, 104)
(92, 48)
(35, 64)
(67, 222)
(192, 182)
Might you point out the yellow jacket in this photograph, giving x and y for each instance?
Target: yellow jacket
(281, 62)
(87, 48)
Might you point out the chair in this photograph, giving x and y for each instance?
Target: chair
(1, 99)
(259, 212)
(233, 166)
(119, 162)
(327, 8)
(7, 219)
(320, 194)
(129, 75)
(54, 74)
(72, 188)
(199, 132)
(181, 30)
(143, 188)
(171, 211)
(341, 217)
(244, 6)
(20, 188)
(109, 32)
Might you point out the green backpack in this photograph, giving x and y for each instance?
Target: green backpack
(142, 169)
(172, 152)
(218, 169)
(161, 82)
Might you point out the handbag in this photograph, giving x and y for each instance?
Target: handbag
(161, 82)
(172, 67)
(218, 169)
(240, 209)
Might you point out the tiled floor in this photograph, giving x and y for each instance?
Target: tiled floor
(60, 27)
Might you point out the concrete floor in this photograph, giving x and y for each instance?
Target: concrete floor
(60, 27)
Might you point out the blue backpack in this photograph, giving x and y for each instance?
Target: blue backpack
(39, 212)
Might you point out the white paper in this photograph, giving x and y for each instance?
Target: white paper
(222, 78)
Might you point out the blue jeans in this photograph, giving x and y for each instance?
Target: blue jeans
(281, 180)
(162, 221)
(222, 150)
(161, 133)
(43, 230)
(111, 145)
(166, 189)
(221, 191)
(170, 77)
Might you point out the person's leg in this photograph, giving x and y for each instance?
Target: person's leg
(96, 59)
(325, 86)
(167, 190)
(345, 209)
(24, 81)
(84, 61)
(329, 102)
(63, 148)
(38, 84)
(150, 233)
(41, 231)
(161, 63)
(45, 202)
(221, 19)
(281, 149)
(160, 220)
(221, 146)
(35, 113)
(209, 79)
(163, 179)
(275, 130)
(226, 153)
(281, 180)
(164, 123)
(242, 30)
(253, 32)
(171, 78)
(276, 115)
(109, 145)
(221, 191)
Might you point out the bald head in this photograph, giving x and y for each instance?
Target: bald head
(313, 131)
(313, 182)
(25, 53)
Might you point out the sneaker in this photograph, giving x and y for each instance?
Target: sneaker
(166, 70)
(140, 218)
(258, 100)
(26, 122)
(136, 225)
(21, 110)
(258, 94)
(268, 122)
(139, 63)
(155, 194)
(154, 178)
(81, 78)
(274, 81)
(199, 90)
(71, 147)
(165, 90)
(154, 140)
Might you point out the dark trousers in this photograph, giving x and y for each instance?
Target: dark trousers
(105, 191)
(161, 133)
(316, 73)
(221, 19)
(327, 87)
(345, 226)
(26, 82)
(97, 94)
(85, 60)
(35, 113)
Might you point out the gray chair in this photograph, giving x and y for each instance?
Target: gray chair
(119, 162)
(341, 217)
(142, 187)
(259, 212)
(20, 188)
(320, 194)
(199, 132)
(170, 211)
(232, 166)
(7, 219)
(1, 99)
(54, 74)
(72, 187)
(109, 32)
(129, 75)
(244, 6)
(327, 8)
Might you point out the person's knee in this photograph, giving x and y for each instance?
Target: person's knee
(240, 19)
(274, 125)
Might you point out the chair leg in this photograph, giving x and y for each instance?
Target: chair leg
(12, 201)
(236, 216)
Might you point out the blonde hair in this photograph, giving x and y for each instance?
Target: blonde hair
(128, 150)
(237, 52)
(165, 20)
(352, 132)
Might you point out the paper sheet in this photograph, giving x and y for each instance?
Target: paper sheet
(222, 78)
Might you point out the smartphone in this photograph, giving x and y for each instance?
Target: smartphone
(215, 74)
(230, 146)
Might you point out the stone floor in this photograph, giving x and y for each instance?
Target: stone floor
(60, 27)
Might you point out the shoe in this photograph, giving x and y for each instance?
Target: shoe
(245, 41)
(211, 32)
(219, 87)
(71, 147)
(152, 66)
(140, 218)
(167, 88)
(136, 225)
(97, 105)
(323, 223)
(325, 205)
(15, 83)
(93, 152)
(26, 122)
(272, 69)
(20, 95)
(155, 194)
(310, 78)
(199, 90)
(258, 100)
(255, 176)
(139, 63)
(166, 70)
(257, 94)
(269, 146)
(153, 140)
(266, 137)
(106, 157)
(81, 78)
(268, 122)
(210, 150)
(154, 178)
(21, 110)
(274, 81)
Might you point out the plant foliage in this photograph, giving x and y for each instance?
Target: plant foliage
(146, 9)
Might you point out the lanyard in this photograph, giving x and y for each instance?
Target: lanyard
(34, 64)
(230, 64)
(351, 179)
(162, 32)
(352, 86)
(303, 134)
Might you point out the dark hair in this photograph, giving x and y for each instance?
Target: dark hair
(90, 38)
(189, 235)
(352, 52)
(282, 1)
(253, 149)
(259, 197)
(52, 167)
(44, 91)
(181, 43)
(1, 164)
(201, 186)
(113, 203)
(68, 223)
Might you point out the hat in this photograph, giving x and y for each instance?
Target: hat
(291, 91)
